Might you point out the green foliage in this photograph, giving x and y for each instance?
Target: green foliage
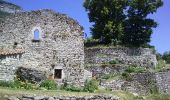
(91, 42)
(72, 88)
(132, 69)
(159, 97)
(135, 69)
(166, 57)
(138, 26)
(108, 17)
(90, 86)
(161, 64)
(122, 21)
(49, 85)
(114, 62)
(153, 87)
(126, 76)
(18, 85)
(158, 56)
(6, 83)
(110, 76)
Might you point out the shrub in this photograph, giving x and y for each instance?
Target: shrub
(135, 69)
(73, 88)
(166, 57)
(115, 62)
(90, 86)
(130, 69)
(89, 42)
(161, 64)
(126, 76)
(17, 84)
(6, 83)
(27, 85)
(153, 87)
(49, 84)
(110, 76)
(159, 97)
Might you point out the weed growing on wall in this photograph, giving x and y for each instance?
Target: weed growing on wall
(49, 85)
(90, 85)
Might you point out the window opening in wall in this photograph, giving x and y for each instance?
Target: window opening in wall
(58, 73)
(15, 45)
(36, 36)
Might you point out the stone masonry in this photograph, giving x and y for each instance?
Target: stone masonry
(58, 48)
(143, 57)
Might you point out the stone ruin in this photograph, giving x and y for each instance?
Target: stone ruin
(42, 40)
(44, 44)
(143, 57)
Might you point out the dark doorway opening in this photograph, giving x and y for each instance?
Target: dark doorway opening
(58, 73)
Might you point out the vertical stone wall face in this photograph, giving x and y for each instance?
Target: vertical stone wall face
(8, 66)
(142, 83)
(60, 45)
(163, 81)
(135, 56)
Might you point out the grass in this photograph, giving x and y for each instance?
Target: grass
(158, 97)
(111, 77)
(168, 65)
(19, 92)
(122, 94)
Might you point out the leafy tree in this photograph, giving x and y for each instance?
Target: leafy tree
(123, 21)
(108, 17)
(158, 56)
(166, 57)
(138, 27)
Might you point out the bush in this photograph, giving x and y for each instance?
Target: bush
(161, 64)
(126, 76)
(130, 69)
(114, 62)
(6, 83)
(90, 86)
(135, 69)
(49, 85)
(110, 76)
(89, 42)
(166, 57)
(159, 97)
(18, 85)
(73, 88)
(153, 87)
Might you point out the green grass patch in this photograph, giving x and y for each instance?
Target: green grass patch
(135, 69)
(49, 85)
(161, 66)
(122, 94)
(158, 97)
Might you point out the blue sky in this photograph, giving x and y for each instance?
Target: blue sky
(73, 8)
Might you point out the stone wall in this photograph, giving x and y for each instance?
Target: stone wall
(142, 83)
(60, 44)
(92, 97)
(163, 81)
(135, 56)
(8, 66)
(30, 75)
(98, 70)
